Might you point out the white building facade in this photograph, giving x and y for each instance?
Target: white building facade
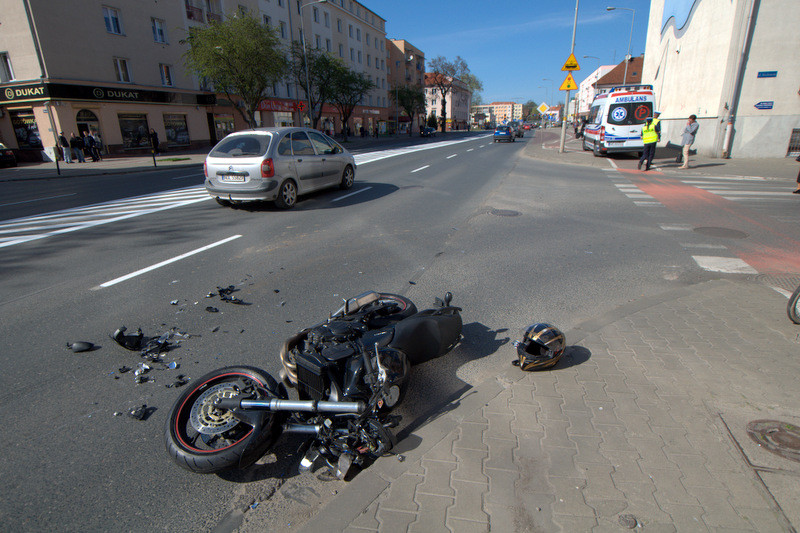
(734, 64)
(587, 89)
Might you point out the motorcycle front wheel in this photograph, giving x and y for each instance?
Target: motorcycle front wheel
(204, 439)
(793, 309)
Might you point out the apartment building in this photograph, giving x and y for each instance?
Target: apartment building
(116, 68)
(458, 103)
(406, 68)
(498, 112)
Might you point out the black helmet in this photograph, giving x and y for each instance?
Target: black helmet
(541, 346)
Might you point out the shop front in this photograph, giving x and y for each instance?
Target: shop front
(123, 119)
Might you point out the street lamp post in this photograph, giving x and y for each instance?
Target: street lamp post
(305, 60)
(552, 86)
(630, 39)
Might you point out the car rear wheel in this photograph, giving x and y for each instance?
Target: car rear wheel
(596, 149)
(287, 196)
(348, 177)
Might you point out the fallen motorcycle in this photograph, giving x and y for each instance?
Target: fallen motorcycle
(349, 372)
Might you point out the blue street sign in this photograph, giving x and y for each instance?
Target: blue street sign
(765, 104)
(768, 74)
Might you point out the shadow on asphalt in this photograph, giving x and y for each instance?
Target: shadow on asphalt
(573, 356)
(362, 192)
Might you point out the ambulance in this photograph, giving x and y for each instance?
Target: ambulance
(615, 119)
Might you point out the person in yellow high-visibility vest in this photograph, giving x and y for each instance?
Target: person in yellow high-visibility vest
(651, 134)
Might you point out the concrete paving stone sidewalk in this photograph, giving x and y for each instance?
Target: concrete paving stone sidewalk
(643, 423)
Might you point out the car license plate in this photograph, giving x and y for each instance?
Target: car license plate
(232, 177)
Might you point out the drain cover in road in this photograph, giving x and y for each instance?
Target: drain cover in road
(780, 438)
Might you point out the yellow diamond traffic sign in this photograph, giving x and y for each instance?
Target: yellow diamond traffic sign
(543, 108)
(569, 84)
(571, 64)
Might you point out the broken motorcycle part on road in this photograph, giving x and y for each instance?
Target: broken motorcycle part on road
(80, 346)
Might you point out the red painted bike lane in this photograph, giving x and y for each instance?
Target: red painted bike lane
(771, 246)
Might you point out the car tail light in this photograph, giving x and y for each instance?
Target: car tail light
(602, 133)
(205, 169)
(267, 170)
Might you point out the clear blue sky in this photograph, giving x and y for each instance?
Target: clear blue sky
(511, 45)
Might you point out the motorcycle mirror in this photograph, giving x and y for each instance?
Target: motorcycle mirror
(448, 297)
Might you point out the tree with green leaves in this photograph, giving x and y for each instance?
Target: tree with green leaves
(475, 87)
(348, 88)
(442, 73)
(529, 111)
(433, 122)
(322, 70)
(240, 57)
(409, 98)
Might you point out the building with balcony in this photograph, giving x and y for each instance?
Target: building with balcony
(117, 69)
(406, 67)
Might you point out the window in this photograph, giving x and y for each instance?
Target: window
(288, 91)
(368, 60)
(367, 39)
(6, 72)
(341, 50)
(382, 46)
(283, 29)
(359, 56)
(339, 25)
(166, 74)
(113, 22)
(327, 20)
(358, 34)
(267, 21)
(317, 41)
(351, 31)
(298, 8)
(280, 3)
(316, 15)
(328, 45)
(352, 55)
(159, 31)
(121, 70)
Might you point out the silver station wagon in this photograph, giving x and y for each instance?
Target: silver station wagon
(276, 164)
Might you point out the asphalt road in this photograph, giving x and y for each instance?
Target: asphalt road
(515, 239)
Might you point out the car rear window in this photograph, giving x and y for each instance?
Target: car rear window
(242, 146)
(629, 114)
(503, 128)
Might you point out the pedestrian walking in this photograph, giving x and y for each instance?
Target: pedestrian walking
(88, 142)
(687, 139)
(154, 140)
(65, 150)
(651, 134)
(97, 145)
(76, 145)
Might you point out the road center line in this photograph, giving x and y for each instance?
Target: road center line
(612, 163)
(470, 149)
(39, 199)
(451, 156)
(164, 263)
(420, 168)
(351, 194)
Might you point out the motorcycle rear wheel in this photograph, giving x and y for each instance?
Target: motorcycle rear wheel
(204, 439)
(793, 309)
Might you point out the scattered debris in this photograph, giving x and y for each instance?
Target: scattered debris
(254, 505)
(628, 521)
(80, 346)
(140, 413)
(129, 342)
(173, 365)
(124, 369)
(216, 329)
(144, 368)
(276, 291)
(211, 309)
(174, 302)
(413, 282)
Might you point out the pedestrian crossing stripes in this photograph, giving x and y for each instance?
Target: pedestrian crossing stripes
(26, 229)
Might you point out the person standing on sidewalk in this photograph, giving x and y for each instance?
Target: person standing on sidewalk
(65, 149)
(651, 134)
(76, 145)
(88, 142)
(154, 140)
(687, 139)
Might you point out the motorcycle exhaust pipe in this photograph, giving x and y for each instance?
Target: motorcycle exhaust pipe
(292, 405)
(303, 428)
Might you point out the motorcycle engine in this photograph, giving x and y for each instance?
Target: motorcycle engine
(337, 331)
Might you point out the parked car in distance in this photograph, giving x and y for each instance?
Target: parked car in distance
(7, 157)
(276, 164)
(526, 127)
(428, 132)
(503, 133)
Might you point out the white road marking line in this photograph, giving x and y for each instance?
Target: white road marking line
(470, 149)
(726, 265)
(740, 198)
(645, 203)
(781, 291)
(164, 263)
(624, 185)
(39, 199)
(420, 168)
(638, 195)
(612, 163)
(451, 156)
(351, 194)
(702, 245)
(481, 146)
(675, 227)
(717, 190)
(735, 178)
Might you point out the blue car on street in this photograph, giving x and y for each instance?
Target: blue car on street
(503, 133)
